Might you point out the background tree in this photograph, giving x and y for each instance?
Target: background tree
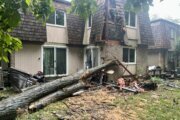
(10, 18)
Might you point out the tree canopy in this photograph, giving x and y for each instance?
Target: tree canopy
(10, 17)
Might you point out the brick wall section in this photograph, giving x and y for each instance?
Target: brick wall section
(75, 28)
(145, 29)
(162, 33)
(30, 30)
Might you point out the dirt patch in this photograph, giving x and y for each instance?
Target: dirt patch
(96, 105)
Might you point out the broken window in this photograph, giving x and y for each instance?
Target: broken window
(57, 18)
(91, 57)
(130, 19)
(128, 55)
(54, 61)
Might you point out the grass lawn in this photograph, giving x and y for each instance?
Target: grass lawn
(163, 104)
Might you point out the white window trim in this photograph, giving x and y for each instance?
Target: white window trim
(134, 27)
(67, 59)
(174, 34)
(55, 25)
(88, 23)
(91, 47)
(130, 63)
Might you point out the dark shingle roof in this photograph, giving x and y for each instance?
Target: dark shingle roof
(30, 30)
(75, 28)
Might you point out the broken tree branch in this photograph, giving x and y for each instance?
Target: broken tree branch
(59, 95)
(9, 106)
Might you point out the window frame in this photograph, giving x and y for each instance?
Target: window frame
(172, 31)
(67, 59)
(129, 20)
(129, 55)
(91, 48)
(55, 23)
(89, 27)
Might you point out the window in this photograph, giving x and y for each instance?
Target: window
(91, 57)
(90, 21)
(54, 61)
(130, 19)
(57, 18)
(128, 55)
(173, 33)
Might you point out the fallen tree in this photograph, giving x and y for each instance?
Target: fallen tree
(59, 95)
(9, 106)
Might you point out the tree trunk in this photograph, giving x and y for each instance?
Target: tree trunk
(9, 106)
(59, 95)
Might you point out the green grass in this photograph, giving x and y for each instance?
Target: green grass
(163, 104)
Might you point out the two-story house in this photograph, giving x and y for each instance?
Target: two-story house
(166, 35)
(67, 43)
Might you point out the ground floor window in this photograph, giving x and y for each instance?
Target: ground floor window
(91, 57)
(54, 61)
(129, 55)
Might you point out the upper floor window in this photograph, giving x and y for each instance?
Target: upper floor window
(57, 18)
(90, 21)
(129, 55)
(173, 33)
(130, 19)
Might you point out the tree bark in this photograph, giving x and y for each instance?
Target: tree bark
(59, 95)
(9, 106)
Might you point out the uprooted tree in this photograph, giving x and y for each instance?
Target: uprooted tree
(9, 106)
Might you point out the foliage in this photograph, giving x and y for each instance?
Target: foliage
(83, 8)
(10, 17)
(137, 5)
(156, 80)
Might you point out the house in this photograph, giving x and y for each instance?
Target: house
(67, 43)
(166, 35)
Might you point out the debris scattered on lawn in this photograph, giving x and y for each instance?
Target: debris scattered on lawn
(93, 105)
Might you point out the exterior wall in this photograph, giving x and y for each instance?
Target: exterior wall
(75, 62)
(141, 59)
(111, 50)
(87, 33)
(153, 58)
(56, 34)
(158, 57)
(132, 33)
(29, 58)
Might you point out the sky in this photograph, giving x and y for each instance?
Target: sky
(165, 9)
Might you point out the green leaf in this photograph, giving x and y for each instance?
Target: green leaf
(15, 19)
(5, 58)
(28, 2)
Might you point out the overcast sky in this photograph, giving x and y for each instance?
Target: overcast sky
(167, 8)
